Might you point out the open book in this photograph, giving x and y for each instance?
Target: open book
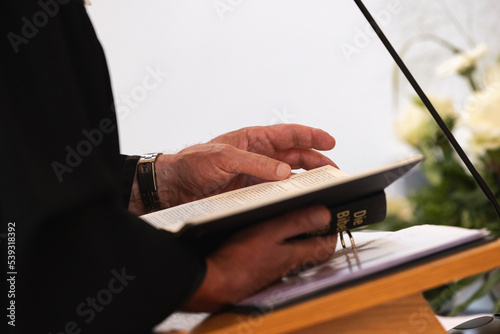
(355, 200)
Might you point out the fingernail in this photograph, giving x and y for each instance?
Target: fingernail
(283, 170)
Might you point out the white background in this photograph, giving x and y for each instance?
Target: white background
(262, 62)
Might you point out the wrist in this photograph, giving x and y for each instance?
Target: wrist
(212, 294)
(166, 186)
(167, 179)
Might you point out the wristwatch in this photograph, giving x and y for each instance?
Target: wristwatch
(146, 177)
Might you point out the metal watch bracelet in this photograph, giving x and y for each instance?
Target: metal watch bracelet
(146, 177)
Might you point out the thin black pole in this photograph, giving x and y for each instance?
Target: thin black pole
(484, 187)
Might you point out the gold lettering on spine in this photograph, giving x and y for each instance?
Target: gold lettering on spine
(359, 217)
(342, 220)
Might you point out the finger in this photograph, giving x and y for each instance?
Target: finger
(304, 158)
(242, 162)
(310, 252)
(295, 223)
(285, 136)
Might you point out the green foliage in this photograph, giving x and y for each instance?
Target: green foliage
(453, 198)
(490, 280)
(441, 298)
(496, 308)
(391, 223)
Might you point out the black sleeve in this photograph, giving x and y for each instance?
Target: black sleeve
(129, 167)
(83, 264)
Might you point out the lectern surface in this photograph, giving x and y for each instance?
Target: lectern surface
(389, 293)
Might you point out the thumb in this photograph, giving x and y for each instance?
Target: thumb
(296, 223)
(257, 165)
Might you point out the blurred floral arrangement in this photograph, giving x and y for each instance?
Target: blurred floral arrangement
(448, 194)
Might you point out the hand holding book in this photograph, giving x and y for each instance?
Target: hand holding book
(258, 255)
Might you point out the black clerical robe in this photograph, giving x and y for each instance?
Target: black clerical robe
(80, 262)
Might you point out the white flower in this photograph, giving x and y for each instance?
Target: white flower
(493, 75)
(415, 125)
(482, 118)
(411, 124)
(462, 61)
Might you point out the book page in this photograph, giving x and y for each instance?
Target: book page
(226, 204)
(375, 252)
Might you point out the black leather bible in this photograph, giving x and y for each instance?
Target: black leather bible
(355, 201)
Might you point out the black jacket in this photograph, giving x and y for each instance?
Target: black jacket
(81, 261)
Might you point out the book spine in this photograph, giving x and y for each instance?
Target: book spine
(361, 212)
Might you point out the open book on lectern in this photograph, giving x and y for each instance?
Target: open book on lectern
(377, 253)
(354, 201)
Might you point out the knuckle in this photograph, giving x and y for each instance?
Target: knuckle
(221, 152)
(220, 148)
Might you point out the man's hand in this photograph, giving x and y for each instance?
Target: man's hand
(235, 160)
(259, 255)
